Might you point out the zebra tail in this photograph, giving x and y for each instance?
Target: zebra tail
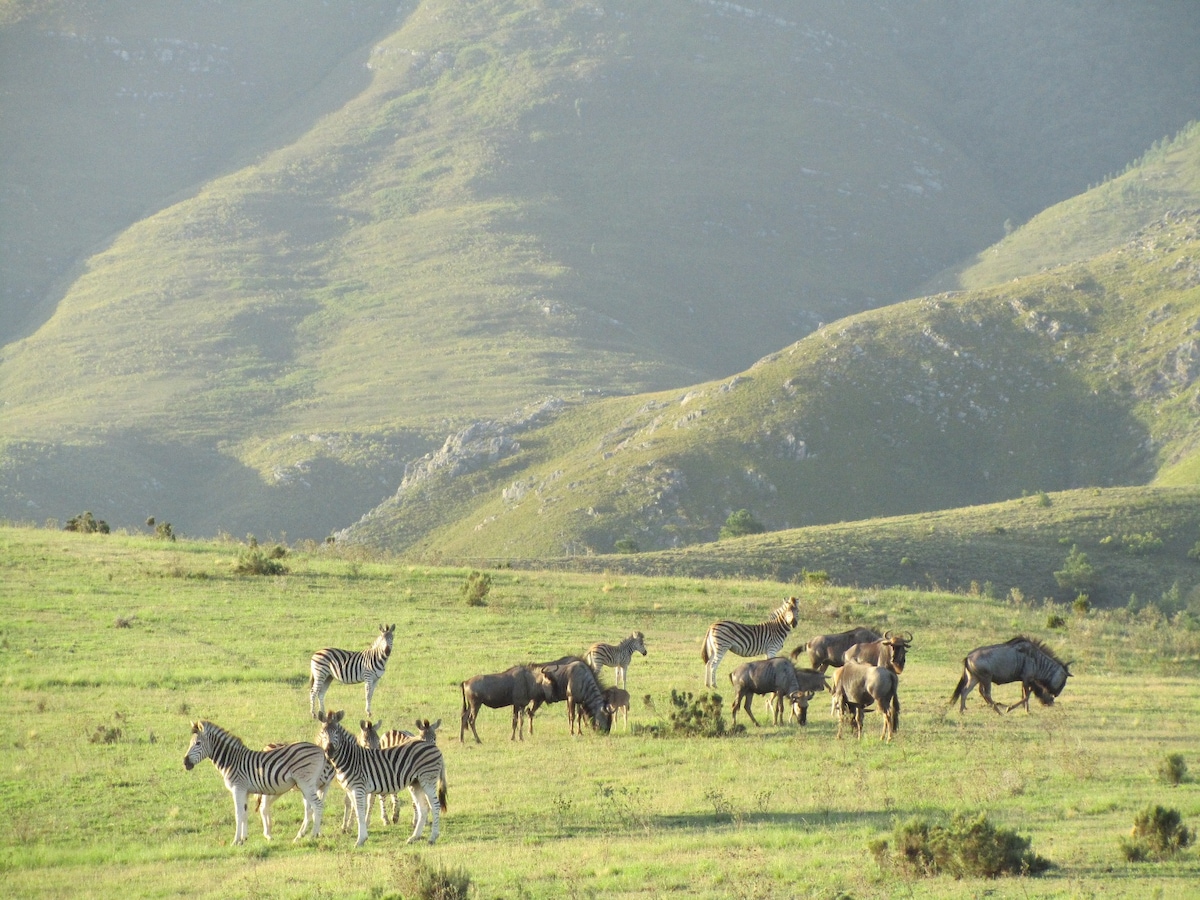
(704, 655)
(441, 789)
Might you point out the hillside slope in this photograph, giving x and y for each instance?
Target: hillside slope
(1081, 376)
(512, 200)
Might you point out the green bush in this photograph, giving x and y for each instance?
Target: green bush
(476, 588)
(1077, 576)
(626, 545)
(741, 523)
(692, 717)
(966, 848)
(419, 880)
(254, 561)
(86, 523)
(1158, 833)
(1172, 770)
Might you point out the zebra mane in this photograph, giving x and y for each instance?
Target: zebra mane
(1038, 645)
(213, 730)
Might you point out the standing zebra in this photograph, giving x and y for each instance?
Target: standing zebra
(765, 639)
(363, 772)
(349, 667)
(270, 773)
(372, 738)
(618, 657)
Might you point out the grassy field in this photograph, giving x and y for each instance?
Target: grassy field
(109, 646)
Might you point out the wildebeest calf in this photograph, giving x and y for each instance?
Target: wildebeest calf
(776, 676)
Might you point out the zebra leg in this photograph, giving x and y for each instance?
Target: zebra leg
(710, 673)
(347, 811)
(620, 676)
(317, 803)
(383, 816)
(240, 814)
(264, 810)
(419, 803)
(370, 690)
(361, 802)
(316, 697)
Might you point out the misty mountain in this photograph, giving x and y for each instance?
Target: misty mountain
(282, 253)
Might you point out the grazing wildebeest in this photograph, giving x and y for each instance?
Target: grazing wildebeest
(517, 687)
(764, 639)
(827, 650)
(775, 676)
(616, 656)
(857, 685)
(585, 696)
(799, 708)
(1022, 659)
(889, 651)
(616, 700)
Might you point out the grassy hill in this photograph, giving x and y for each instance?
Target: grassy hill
(1079, 376)
(465, 208)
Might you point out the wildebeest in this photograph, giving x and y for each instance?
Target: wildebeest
(827, 650)
(518, 687)
(889, 651)
(616, 700)
(777, 676)
(1024, 659)
(585, 696)
(857, 685)
(764, 639)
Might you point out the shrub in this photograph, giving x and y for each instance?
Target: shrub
(1082, 604)
(476, 588)
(86, 523)
(253, 561)
(741, 523)
(1157, 833)
(1077, 574)
(691, 717)
(418, 879)
(1172, 769)
(626, 545)
(1054, 620)
(966, 848)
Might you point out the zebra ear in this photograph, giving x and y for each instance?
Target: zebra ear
(337, 716)
(195, 728)
(362, 724)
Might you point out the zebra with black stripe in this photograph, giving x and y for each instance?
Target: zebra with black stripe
(417, 765)
(372, 738)
(349, 667)
(616, 657)
(271, 773)
(764, 639)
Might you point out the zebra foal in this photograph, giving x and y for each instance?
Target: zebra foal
(764, 639)
(616, 657)
(349, 667)
(271, 773)
(417, 765)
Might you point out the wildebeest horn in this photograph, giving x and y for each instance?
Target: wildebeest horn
(908, 636)
(887, 635)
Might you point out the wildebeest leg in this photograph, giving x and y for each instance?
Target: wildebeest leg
(1026, 690)
(516, 719)
(985, 691)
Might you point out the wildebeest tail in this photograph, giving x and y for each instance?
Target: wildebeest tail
(895, 712)
(962, 683)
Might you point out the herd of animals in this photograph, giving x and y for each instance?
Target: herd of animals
(379, 764)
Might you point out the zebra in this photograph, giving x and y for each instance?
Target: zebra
(618, 657)
(349, 667)
(363, 772)
(369, 736)
(765, 639)
(270, 773)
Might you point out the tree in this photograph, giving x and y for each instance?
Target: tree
(741, 523)
(1077, 575)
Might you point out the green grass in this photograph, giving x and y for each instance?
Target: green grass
(773, 812)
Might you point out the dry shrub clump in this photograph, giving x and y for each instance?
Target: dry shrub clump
(966, 848)
(1158, 833)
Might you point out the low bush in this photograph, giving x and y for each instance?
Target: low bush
(476, 588)
(418, 879)
(1172, 770)
(86, 523)
(966, 848)
(1158, 833)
